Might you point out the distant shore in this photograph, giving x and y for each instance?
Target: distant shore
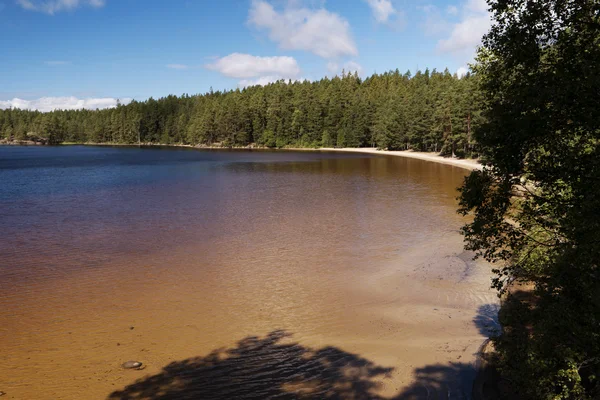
(469, 164)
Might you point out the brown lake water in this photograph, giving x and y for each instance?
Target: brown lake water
(234, 274)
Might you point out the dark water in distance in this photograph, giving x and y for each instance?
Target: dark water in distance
(61, 195)
(200, 249)
(131, 199)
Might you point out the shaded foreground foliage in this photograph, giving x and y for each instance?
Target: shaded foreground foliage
(430, 111)
(273, 367)
(536, 204)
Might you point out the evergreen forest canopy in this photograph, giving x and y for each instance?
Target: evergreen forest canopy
(430, 111)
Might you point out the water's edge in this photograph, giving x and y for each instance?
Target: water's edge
(469, 164)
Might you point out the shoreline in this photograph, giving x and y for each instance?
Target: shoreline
(469, 164)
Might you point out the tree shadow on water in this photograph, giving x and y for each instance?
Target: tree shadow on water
(486, 320)
(460, 381)
(441, 382)
(263, 368)
(274, 367)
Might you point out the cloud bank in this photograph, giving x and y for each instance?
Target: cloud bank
(255, 70)
(46, 104)
(318, 31)
(239, 65)
(51, 7)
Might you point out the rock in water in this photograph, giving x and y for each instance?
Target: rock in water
(132, 365)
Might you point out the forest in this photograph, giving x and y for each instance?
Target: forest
(430, 111)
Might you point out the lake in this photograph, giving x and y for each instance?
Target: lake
(235, 274)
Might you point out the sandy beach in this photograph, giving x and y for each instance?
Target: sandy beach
(433, 157)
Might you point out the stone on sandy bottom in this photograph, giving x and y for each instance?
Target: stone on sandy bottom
(132, 365)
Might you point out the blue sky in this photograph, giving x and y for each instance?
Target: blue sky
(88, 53)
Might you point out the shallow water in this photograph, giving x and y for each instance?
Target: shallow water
(347, 269)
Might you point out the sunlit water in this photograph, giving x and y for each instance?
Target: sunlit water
(347, 269)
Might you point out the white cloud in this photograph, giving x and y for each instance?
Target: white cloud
(53, 6)
(246, 66)
(462, 71)
(318, 31)
(382, 10)
(178, 66)
(466, 34)
(62, 103)
(56, 63)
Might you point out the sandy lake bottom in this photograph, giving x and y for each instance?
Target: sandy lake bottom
(235, 275)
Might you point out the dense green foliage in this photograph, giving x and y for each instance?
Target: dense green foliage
(537, 204)
(431, 111)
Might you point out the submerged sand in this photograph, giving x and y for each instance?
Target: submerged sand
(420, 311)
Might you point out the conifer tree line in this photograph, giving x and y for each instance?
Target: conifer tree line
(430, 111)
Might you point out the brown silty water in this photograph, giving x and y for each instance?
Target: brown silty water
(235, 275)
